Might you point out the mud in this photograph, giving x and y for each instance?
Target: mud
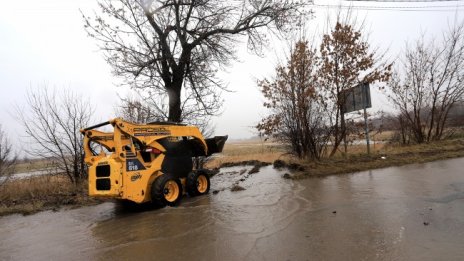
(245, 163)
(414, 212)
(279, 164)
(237, 188)
(254, 170)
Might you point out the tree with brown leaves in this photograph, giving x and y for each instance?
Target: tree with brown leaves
(298, 116)
(346, 61)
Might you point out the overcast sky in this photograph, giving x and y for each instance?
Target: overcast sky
(44, 43)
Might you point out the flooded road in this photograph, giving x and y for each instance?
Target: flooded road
(414, 212)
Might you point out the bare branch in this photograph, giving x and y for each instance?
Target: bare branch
(52, 121)
(7, 157)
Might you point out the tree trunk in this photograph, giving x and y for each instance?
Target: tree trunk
(343, 127)
(337, 133)
(175, 111)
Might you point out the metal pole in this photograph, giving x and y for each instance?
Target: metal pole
(367, 131)
(366, 126)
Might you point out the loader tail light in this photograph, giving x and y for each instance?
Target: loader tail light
(153, 150)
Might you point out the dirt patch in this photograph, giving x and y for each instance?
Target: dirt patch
(287, 176)
(212, 172)
(254, 170)
(280, 164)
(237, 188)
(255, 163)
(245, 163)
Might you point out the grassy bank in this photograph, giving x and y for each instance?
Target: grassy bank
(27, 196)
(382, 155)
(389, 156)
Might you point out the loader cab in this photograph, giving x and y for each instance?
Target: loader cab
(147, 153)
(178, 156)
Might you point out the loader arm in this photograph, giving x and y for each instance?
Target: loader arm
(149, 135)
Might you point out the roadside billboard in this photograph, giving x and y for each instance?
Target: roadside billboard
(356, 98)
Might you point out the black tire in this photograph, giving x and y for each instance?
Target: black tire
(198, 183)
(166, 190)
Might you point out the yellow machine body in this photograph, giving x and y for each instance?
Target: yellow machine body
(134, 155)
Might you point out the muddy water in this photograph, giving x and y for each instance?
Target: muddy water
(414, 212)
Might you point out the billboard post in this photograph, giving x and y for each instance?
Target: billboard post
(366, 126)
(355, 99)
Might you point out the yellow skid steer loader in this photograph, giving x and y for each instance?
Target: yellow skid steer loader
(147, 162)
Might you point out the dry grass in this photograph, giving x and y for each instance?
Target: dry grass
(359, 149)
(27, 196)
(33, 164)
(248, 150)
(382, 136)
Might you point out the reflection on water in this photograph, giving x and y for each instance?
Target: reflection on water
(412, 212)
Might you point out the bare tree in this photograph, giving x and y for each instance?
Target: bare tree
(428, 83)
(137, 110)
(52, 120)
(7, 157)
(298, 115)
(174, 48)
(347, 61)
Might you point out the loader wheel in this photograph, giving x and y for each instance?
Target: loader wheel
(166, 190)
(198, 183)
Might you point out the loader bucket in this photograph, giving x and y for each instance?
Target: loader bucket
(216, 144)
